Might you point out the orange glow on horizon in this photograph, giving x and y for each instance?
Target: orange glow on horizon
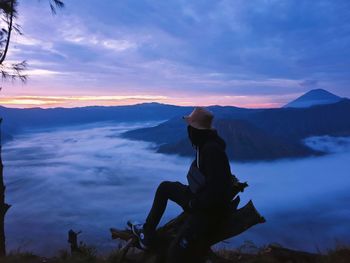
(119, 100)
(74, 101)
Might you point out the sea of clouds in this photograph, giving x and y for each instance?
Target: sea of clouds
(88, 178)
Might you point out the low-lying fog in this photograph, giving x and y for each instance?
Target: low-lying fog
(88, 178)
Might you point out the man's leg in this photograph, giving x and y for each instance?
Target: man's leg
(173, 191)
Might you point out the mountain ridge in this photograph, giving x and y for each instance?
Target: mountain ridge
(273, 133)
(312, 98)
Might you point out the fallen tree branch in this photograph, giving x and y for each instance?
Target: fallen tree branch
(235, 223)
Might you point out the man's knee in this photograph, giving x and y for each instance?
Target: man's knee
(164, 187)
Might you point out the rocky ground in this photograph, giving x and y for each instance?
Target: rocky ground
(250, 254)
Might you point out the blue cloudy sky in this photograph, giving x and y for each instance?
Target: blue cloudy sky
(256, 53)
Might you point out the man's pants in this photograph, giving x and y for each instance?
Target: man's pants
(173, 191)
(190, 242)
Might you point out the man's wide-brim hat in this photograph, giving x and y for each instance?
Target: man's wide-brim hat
(200, 118)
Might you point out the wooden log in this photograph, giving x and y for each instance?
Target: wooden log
(124, 234)
(237, 221)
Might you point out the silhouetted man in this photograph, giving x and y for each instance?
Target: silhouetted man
(206, 197)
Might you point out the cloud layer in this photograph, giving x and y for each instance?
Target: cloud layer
(273, 50)
(88, 178)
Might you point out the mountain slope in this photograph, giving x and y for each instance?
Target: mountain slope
(244, 142)
(298, 123)
(313, 97)
(258, 134)
(18, 120)
(173, 130)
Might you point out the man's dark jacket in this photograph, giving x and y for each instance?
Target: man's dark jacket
(214, 164)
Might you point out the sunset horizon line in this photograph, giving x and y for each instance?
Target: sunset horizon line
(74, 101)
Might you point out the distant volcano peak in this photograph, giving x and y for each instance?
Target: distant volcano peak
(313, 97)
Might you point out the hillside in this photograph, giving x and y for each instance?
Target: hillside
(298, 123)
(18, 120)
(257, 134)
(245, 142)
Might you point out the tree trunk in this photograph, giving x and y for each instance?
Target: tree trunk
(3, 206)
(9, 22)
